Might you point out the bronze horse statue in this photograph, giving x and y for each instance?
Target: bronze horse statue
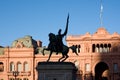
(56, 44)
(64, 51)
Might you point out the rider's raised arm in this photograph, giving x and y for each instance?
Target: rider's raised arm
(65, 33)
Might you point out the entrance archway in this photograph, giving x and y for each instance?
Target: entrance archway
(101, 71)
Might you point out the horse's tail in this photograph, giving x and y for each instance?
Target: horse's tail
(74, 49)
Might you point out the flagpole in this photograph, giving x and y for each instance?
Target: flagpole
(101, 13)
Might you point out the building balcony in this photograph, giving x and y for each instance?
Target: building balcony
(20, 73)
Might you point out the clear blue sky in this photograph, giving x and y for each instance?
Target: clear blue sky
(40, 17)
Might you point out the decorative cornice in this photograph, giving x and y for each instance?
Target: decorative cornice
(101, 33)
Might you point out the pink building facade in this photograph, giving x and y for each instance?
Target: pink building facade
(99, 57)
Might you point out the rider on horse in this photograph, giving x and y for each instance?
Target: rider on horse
(57, 40)
(56, 44)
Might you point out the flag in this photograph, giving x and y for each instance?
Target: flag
(101, 8)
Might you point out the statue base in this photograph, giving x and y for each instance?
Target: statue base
(56, 71)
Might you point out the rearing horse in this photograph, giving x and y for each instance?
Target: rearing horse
(56, 44)
(64, 52)
(53, 48)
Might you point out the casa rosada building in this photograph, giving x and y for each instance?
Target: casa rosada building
(99, 57)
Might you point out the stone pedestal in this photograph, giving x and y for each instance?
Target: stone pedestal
(56, 71)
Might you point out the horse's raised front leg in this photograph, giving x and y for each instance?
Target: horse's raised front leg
(44, 50)
(49, 56)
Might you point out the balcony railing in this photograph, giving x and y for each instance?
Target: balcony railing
(20, 73)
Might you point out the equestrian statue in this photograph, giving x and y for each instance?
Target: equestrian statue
(56, 44)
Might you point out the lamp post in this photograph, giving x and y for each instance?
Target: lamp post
(84, 76)
(15, 74)
(91, 76)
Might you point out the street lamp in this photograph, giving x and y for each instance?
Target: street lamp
(91, 76)
(15, 74)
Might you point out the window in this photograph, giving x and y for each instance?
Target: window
(93, 48)
(115, 66)
(19, 67)
(101, 48)
(1, 67)
(87, 67)
(97, 49)
(12, 66)
(19, 79)
(26, 67)
(105, 49)
(11, 79)
(109, 47)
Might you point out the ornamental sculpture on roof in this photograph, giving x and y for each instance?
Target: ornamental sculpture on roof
(56, 44)
(26, 41)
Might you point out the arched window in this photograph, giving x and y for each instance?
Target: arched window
(87, 67)
(12, 66)
(97, 48)
(101, 48)
(105, 48)
(109, 47)
(93, 48)
(19, 66)
(26, 67)
(1, 67)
